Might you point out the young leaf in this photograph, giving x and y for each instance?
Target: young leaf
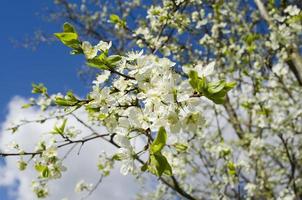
(64, 102)
(112, 60)
(193, 79)
(159, 165)
(22, 165)
(231, 168)
(115, 19)
(230, 85)
(99, 62)
(39, 167)
(45, 172)
(180, 147)
(216, 87)
(68, 28)
(160, 141)
(60, 130)
(28, 105)
(39, 89)
(69, 37)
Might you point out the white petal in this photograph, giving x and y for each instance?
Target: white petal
(102, 78)
(89, 51)
(209, 69)
(103, 46)
(122, 141)
(127, 166)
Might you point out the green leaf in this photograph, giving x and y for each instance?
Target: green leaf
(202, 85)
(68, 28)
(218, 100)
(159, 165)
(215, 91)
(250, 38)
(71, 96)
(198, 84)
(112, 60)
(102, 116)
(96, 63)
(230, 85)
(144, 167)
(160, 141)
(45, 173)
(116, 157)
(60, 130)
(39, 167)
(231, 168)
(69, 37)
(76, 51)
(39, 88)
(64, 102)
(114, 19)
(216, 87)
(99, 62)
(22, 165)
(28, 105)
(180, 147)
(224, 153)
(193, 79)
(68, 100)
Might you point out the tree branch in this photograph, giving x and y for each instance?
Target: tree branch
(295, 61)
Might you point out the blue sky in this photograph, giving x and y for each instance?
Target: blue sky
(49, 64)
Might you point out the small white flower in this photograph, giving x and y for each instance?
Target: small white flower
(92, 51)
(103, 46)
(122, 141)
(102, 78)
(127, 166)
(250, 188)
(89, 50)
(82, 186)
(126, 154)
(286, 194)
(134, 55)
(205, 71)
(40, 189)
(280, 69)
(292, 10)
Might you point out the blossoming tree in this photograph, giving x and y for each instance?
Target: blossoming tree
(211, 89)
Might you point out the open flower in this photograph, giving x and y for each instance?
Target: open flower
(103, 46)
(205, 70)
(82, 186)
(92, 51)
(126, 154)
(134, 55)
(102, 78)
(89, 50)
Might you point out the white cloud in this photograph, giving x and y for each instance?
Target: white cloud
(81, 166)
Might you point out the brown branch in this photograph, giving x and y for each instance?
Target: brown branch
(69, 142)
(233, 117)
(295, 61)
(121, 74)
(292, 161)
